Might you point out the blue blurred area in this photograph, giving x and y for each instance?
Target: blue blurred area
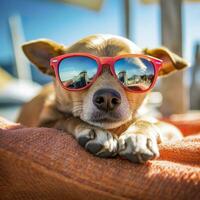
(61, 22)
(66, 23)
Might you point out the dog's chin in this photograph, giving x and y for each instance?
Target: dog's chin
(107, 123)
(106, 120)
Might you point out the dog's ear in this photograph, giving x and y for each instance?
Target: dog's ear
(39, 52)
(171, 61)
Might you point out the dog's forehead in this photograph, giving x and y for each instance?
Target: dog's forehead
(104, 45)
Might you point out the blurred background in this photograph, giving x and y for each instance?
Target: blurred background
(148, 23)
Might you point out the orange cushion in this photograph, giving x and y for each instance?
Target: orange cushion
(42, 163)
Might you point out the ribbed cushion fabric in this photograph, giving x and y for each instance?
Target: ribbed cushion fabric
(42, 163)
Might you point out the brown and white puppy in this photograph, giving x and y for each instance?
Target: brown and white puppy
(104, 134)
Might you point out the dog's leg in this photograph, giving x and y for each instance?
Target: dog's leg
(139, 142)
(96, 140)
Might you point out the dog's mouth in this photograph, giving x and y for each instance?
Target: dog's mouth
(107, 120)
(102, 117)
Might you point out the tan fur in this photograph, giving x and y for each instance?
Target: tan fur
(30, 111)
(73, 111)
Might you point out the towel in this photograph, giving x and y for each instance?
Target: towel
(44, 163)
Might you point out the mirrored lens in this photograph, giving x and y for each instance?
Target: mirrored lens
(77, 72)
(135, 73)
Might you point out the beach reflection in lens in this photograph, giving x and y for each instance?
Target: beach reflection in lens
(135, 73)
(77, 72)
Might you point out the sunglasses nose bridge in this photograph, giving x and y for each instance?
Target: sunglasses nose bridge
(106, 61)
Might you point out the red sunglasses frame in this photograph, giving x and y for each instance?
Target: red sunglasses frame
(101, 61)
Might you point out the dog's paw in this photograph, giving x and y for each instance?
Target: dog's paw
(98, 142)
(138, 148)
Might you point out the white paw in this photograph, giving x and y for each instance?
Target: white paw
(138, 148)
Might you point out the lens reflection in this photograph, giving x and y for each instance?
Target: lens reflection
(135, 73)
(77, 72)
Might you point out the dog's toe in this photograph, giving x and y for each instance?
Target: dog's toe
(85, 136)
(93, 147)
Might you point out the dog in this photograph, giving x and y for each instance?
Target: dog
(103, 132)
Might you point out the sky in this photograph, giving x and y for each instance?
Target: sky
(66, 23)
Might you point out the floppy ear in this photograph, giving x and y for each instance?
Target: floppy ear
(171, 61)
(39, 52)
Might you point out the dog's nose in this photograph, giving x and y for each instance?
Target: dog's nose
(106, 99)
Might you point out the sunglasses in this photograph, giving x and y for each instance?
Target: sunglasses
(78, 71)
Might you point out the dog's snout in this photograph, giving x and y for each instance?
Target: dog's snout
(106, 99)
